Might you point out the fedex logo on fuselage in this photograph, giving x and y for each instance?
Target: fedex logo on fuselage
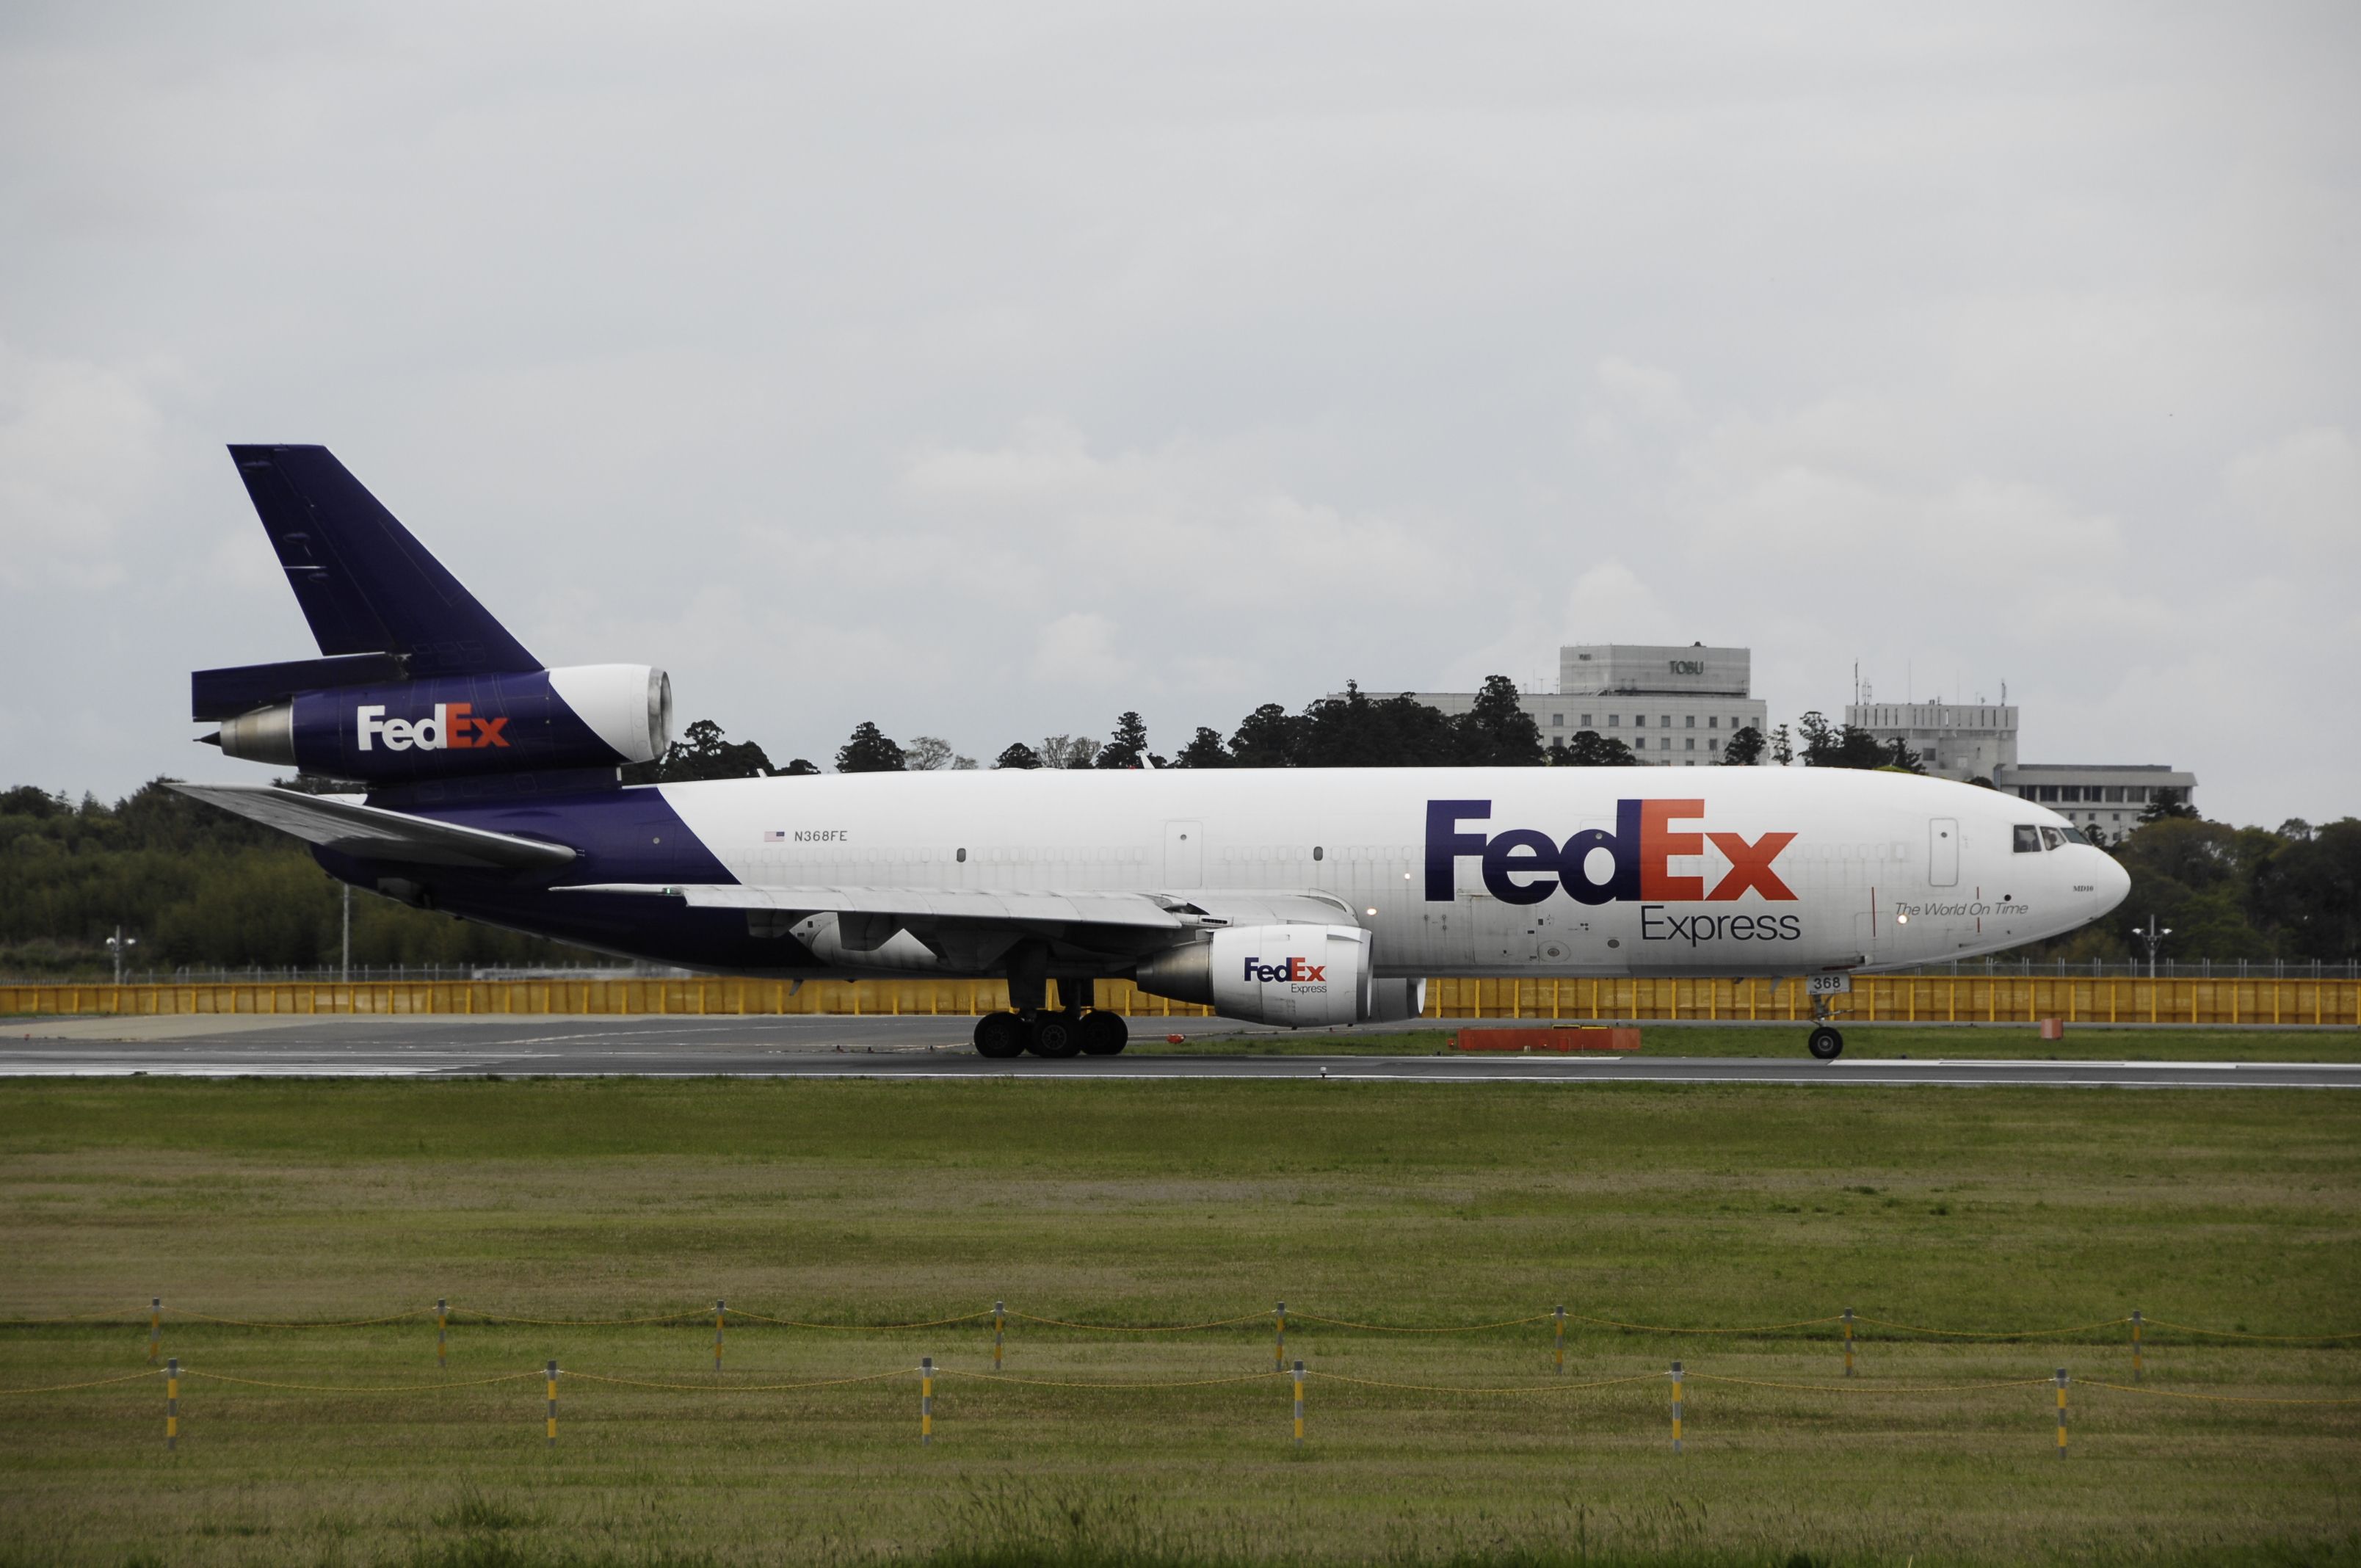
(1298, 970)
(1525, 866)
(454, 728)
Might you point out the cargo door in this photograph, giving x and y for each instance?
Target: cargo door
(1943, 851)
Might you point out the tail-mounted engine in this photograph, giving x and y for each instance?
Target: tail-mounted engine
(1296, 976)
(589, 716)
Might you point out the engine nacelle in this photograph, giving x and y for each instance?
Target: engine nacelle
(587, 716)
(1301, 977)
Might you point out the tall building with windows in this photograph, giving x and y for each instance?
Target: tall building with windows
(1675, 707)
(1953, 739)
(2105, 794)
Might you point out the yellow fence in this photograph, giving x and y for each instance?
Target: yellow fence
(1881, 999)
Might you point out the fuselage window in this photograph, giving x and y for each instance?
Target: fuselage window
(2051, 838)
(2028, 840)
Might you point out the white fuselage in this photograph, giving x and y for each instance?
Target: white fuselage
(1882, 870)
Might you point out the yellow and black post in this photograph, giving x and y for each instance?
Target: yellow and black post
(721, 1308)
(1677, 1407)
(552, 1390)
(172, 1404)
(1298, 1404)
(1560, 1347)
(999, 1324)
(442, 1332)
(155, 1329)
(1847, 1331)
(2061, 1412)
(2138, 1323)
(1279, 1345)
(926, 1399)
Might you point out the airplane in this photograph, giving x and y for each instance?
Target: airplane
(490, 788)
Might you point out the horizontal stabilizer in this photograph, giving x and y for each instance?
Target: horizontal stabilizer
(226, 693)
(374, 833)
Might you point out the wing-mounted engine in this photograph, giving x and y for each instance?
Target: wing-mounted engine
(448, 727)
(1296, 976)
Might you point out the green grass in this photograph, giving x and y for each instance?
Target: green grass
(2009, 1042)
(852, 1201)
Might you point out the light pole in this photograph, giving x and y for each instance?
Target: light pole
(118, 945)
(2153, 935)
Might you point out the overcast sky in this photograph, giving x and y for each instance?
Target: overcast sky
(986, 370)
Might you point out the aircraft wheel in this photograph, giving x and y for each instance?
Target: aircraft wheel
(1826, 1044)
(1104, 1033)
(1055, 1035)
(999, 1034)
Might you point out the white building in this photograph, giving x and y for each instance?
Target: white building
(2103, 795)
(1953, 739)
(1675, 707)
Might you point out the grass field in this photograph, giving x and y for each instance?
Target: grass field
(855, 1202)
(1862, 1042)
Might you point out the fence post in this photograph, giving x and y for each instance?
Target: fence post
(155, 1329)
(442, 1335)
(1279, 1346)
(2136, 1344)
(1559, 1348)
(720, 1309)
(999, 1322)
(172, 1404)
(925, 1401)
(2061, 1412)
(1848, 1321)
(1677, 1407)
(552, 1390)
(1298, 1404)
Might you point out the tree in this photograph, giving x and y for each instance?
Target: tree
(1067, 752)
(1018, 755)
(802, 767)
(1745, 748)
(1129, 745)
(1900, 758)
(2308, 892)
(1783, 747)
(1351, 731)
(926, 753)
(1592, 750)
(869, 752)
(1828, 745)
(701, 753)
(1497, 732)
(1267, 737)
(2165, 806)
(1203, 751)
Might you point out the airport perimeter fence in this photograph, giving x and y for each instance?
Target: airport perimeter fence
(1937, 997)
(1845, 1332)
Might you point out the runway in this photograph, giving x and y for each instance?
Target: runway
(937, 1049)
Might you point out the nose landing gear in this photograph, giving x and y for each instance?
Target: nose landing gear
(1825, 1042)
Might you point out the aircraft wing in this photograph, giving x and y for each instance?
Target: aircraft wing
(341, 823)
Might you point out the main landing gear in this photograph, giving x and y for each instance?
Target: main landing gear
(1067, 1032)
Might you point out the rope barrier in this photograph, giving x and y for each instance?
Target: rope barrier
(1869, 1389)
(1050, 1383)
(100, 1383)
(349, 1323)
(2215, 1399)
(736, 1387)
(2241, 1333)
(1448, 1329)
(1999, 1333)
(1664, 1329)
(1141, 1328)
(1456, 1388)
(387, 1388)
(856, 1328)
(700, 1314)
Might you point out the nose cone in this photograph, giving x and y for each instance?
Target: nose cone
(2115, 886)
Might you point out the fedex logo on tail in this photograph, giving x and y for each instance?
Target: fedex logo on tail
(454, 728)
(1525, 866)
(1300, 971)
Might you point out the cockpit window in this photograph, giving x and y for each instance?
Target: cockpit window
(2051, 838)
(2075, 835)
(2028, 840)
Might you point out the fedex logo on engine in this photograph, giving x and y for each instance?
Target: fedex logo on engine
(1298, 971)
(454, 728)
(1523, 866)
